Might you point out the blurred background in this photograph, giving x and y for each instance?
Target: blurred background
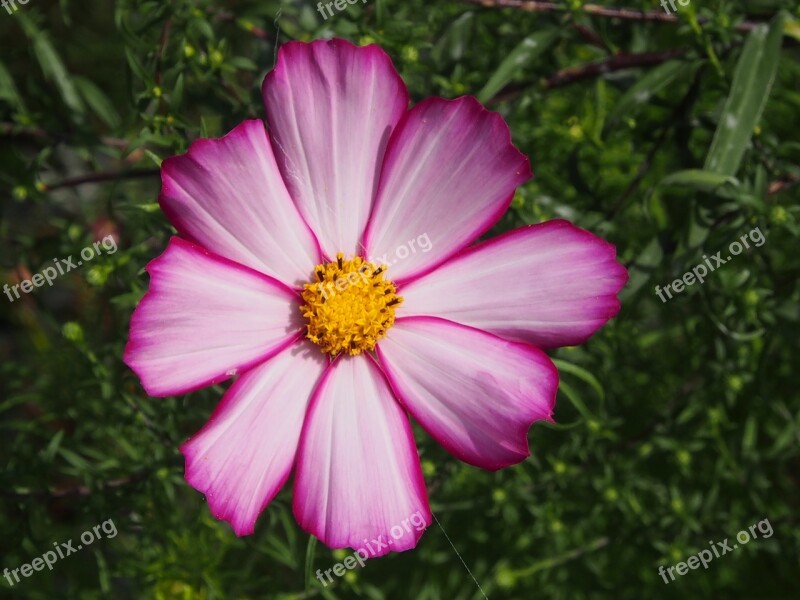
(670, 134)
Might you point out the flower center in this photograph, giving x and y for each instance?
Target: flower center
(350, 306)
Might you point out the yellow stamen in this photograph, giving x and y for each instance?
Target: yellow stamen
(349, 306)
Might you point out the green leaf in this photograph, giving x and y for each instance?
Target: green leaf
(103, 573)
(699, 180)
(52, 67)
(241, 62)
(53, 446)
(551, 562)
(752, 81)
(176, 98)
(136, 66)
(454, 42)
(74, 459)
(156, 159)
(310, 551)
(648, 261)
(380, 11)
(750, 436)
(575, 399)
(791, 28)
(640, 93)
(8, 90)
(98, 102)
(202, 27)
(581, 373)
(205, 130)
(525, 52)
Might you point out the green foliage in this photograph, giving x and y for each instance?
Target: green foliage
(677, 424)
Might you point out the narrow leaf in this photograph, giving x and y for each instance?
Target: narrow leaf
(699, 180)
(309, 570)
(640, 93)
(8, 90)
(752, 81)
(52, 66)
(525, 52)
(455, 41)
(98, 102)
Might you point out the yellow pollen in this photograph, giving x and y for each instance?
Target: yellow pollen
(349, 306)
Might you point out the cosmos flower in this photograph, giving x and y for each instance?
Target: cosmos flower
(273, 281)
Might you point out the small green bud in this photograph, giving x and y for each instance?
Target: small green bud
(72, 331)
(410, 54)
(216, 58)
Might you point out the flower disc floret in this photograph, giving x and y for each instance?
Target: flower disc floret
(349, 306)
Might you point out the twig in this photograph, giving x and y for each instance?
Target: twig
(682, 108)
(37, 133)
(571, 75)
(550, 563)
(617, 62)
(100, 178)
(162, 46)
(12, 130)
(254, 30)
(782, 184)
(625, 14)
(78, 490)
(160, 435)
(592, 38)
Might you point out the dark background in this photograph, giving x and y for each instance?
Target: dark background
(678, 424)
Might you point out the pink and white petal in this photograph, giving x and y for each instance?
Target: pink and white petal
(228, 195)
(331, 107)
(204, 319)
(549, 285)
(475, 393)
(358, 477)
(244, 454)
(449, 174)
